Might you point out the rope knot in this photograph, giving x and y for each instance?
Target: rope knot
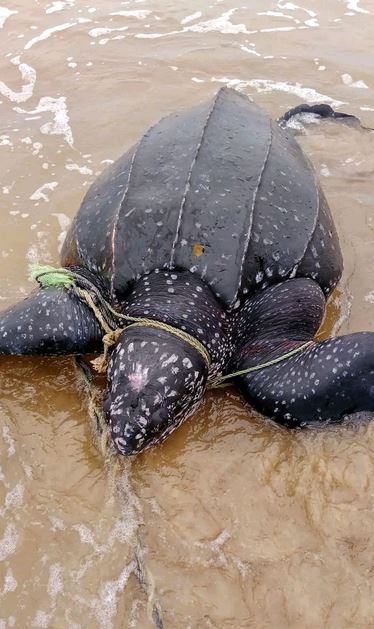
(100, 364)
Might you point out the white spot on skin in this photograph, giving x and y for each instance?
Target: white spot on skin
(121, 444)
(172, 359)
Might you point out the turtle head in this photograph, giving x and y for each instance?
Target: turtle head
(156, 380)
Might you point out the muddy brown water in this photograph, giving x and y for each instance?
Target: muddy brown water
(239, 523)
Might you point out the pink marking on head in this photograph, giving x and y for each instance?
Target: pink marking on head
(139, 378)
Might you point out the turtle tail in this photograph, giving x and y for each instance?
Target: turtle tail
(50, 321)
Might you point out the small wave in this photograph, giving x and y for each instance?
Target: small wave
(47, 33)
(308, 94)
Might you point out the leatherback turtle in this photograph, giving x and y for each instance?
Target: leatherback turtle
(213, 236)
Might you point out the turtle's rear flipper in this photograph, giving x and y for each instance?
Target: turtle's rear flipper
(51, 321)
(318, 111)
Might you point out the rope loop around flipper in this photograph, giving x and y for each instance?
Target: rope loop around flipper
(222, 381)
(109, 319)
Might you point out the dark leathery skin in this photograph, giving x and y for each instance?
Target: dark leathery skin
(323, 261)
(219, 190)
(89, 239)
(50, 321)
(148, 219)
(224, 183)
(285, 214)
(181, 299)
(323, 382)
(156, 379)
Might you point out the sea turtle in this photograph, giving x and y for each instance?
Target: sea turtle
(214, 235)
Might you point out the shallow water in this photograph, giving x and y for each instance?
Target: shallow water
(240, 523)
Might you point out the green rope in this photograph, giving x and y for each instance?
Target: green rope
(47, 275)
(222, 379)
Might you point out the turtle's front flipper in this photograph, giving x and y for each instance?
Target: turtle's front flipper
(322, 381)
(51, 321)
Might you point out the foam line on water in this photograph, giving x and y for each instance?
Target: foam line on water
(5, 14)
(98, 32)
(8, 439)
(48, 32)
(352, 5)
(8, 543)
(279, 14)
(192, 17)
(28, 75)
(223, 24)
(40, 194)
(13, 499)
(59, 5)
(60, 124)
(290, 6)
(141, 14)
(83, 170)
(10, 583)
(348, 80)
(308, 94)
(105, 605)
